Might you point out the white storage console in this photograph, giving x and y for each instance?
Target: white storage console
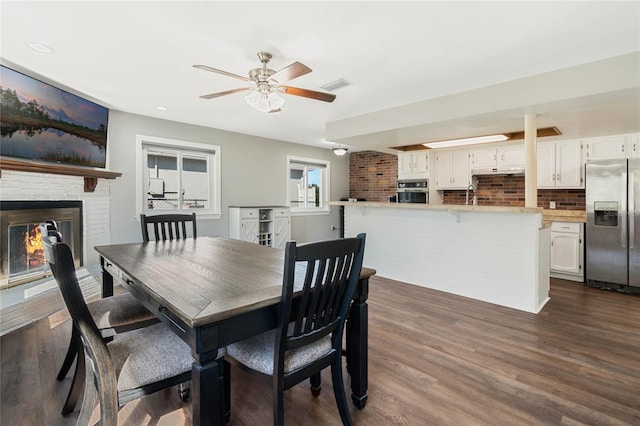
(267, 226)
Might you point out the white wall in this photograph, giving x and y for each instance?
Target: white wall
(253, 173)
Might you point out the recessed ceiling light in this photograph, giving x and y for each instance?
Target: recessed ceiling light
(40, 48)
(161, 108)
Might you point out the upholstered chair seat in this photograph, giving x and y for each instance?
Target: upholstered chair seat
(257, 352)
(118, 311)
(148, 355)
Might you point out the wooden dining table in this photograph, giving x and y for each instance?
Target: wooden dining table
(215, 291)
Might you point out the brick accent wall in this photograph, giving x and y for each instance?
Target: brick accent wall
(16, 307)
(509, 191)
(373, 175)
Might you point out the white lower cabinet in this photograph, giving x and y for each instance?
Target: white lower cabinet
(282, 227)
(566, 254)
(267, 226)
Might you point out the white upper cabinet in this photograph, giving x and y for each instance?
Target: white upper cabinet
(452, 169)
(569, 164)
(605, 148)
(503, 156)
(560, 164)
(546, 165)
(634, 146)
(511, 155)
(413, 165)
(484, 158)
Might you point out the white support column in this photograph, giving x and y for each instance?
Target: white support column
(531, 157)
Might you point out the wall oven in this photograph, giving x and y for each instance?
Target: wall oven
(413, 191)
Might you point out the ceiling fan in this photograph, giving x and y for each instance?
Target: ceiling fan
(266, 85)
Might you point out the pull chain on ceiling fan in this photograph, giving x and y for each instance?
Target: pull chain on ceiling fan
(266, 85)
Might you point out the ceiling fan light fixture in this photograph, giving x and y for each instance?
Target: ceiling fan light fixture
(264, 102)
(252, 99)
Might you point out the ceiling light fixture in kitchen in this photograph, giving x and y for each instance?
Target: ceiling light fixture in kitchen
(340, 149)
(467, 141)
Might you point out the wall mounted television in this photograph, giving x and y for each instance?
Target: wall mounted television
(44, 123)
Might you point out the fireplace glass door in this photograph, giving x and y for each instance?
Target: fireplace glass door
(21, 248)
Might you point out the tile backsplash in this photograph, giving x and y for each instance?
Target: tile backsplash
(373, 176)
(509, 191)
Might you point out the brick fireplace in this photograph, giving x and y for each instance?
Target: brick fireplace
(25, 303)
(21, 252)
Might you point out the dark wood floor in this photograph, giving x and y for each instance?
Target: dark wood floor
(434, 359)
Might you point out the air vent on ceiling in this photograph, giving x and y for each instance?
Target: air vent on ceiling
(335, 85)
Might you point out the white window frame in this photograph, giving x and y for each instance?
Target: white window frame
(325, 193)
(185, 147)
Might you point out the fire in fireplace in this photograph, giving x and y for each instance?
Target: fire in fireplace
(21, 253)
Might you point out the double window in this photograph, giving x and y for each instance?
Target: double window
(308, 185)
(178, 176)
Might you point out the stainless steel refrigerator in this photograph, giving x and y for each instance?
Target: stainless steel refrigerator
(613, 224)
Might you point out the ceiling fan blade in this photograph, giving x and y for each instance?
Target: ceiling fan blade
(228, 74)
(226, 92)
(294, 70)
(305, 93)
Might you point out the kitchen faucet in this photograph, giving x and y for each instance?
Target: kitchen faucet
(475, 195)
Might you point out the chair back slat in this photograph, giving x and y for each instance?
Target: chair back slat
(168, 226)
(332, 269)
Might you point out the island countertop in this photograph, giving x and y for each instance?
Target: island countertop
(496, 254)
(451, 207)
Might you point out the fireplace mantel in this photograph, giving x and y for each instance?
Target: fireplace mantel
(90, 175)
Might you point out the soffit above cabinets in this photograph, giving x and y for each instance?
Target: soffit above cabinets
(512, 136)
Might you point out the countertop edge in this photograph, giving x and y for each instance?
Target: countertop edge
(449, 207)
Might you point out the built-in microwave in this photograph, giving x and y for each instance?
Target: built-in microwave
(413, 191)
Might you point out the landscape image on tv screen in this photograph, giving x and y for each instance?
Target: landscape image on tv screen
(44, 123)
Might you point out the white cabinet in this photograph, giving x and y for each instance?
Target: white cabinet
(267, 226)
(634, 146)
(511, 156)
(452, 168)
(560, 164)
(413, 165)
(605, 148)
(503, 156)
(282, 227)
(566, 254)
(484, 158)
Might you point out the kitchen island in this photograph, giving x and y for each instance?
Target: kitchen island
(494, 254)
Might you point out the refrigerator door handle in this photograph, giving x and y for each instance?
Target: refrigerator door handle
(631, 215)
(623, 212)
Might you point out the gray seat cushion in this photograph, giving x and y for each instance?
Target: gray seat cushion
(148, 355)
(118, 311)
(257, 353)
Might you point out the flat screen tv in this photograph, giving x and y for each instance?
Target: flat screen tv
(41, 122)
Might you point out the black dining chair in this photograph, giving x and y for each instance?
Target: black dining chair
(168, 226)
(132, 365)
(112, 315)
(308, 338)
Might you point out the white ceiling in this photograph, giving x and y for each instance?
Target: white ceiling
(134, 56)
